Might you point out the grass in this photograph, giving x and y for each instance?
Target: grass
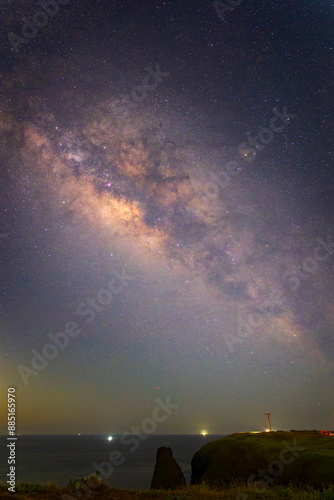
(241, 491)
(239, 455)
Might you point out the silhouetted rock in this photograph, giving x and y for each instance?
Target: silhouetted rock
(167, 473)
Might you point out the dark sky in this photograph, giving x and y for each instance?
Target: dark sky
(166, 223)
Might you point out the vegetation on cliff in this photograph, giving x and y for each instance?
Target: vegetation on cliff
(266, 458)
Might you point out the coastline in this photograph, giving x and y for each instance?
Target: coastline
(211, 482)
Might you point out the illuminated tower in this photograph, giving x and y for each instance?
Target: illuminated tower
(269, 426)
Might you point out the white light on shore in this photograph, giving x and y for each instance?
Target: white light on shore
(109, 438)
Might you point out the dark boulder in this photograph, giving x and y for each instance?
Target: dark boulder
(167, 473)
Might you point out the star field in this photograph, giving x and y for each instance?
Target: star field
(187, 160)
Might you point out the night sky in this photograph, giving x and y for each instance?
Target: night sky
(167, 201)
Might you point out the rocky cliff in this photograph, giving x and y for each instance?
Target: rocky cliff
(265, 458)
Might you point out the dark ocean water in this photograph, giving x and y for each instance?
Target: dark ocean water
(59, 458)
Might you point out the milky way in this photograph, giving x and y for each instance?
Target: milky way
(231, 273)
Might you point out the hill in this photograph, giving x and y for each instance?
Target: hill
(266, 458)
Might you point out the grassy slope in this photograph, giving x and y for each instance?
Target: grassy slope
(239, 455)
(200, 492)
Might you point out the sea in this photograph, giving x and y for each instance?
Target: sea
(43, 459)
